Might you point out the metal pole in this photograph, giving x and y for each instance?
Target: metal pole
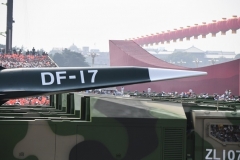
(9, 26)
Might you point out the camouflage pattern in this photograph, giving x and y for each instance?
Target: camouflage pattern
(111, 128)
(213, 129)
(88, 127)
(217, 134)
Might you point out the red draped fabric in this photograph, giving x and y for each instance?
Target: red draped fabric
(187, 33)
(234, 24)
(212, 28)
(160, 38)
(203, 30)
(222, 26)
(194, 31)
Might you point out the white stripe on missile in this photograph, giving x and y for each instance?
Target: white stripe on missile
(156, 74)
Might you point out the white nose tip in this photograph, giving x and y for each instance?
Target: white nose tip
(156, 74)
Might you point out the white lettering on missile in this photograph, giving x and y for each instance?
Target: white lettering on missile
(94, 74)
(82, 77)
(43, 74)
(72, 77)
(60, 77)
(230, 154)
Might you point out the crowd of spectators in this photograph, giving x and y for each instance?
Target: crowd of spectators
(226, 96)
(25, 61)
(39, 100)
(20, 51)
(225, 133)
(19, 60)
(108, 91)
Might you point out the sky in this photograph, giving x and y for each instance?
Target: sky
(47, 24)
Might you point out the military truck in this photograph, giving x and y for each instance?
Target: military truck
(104, 127)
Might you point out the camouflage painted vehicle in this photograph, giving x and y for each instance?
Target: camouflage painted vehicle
(99, 127)
(213, 129)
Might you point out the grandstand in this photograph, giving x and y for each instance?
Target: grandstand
(27, 61)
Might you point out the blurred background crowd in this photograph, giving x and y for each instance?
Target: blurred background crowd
(18, 60)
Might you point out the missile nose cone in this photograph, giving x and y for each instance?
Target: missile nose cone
(156, 74)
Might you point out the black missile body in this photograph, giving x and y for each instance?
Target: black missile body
(24, 82)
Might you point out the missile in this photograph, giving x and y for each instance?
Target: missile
(25, 82)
